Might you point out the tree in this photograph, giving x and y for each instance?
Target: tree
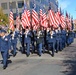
(3, 18)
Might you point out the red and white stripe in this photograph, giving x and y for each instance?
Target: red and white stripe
(35, 17)
(69, 24)
(23, 21)
(26, 19)
(28, 14)
(44, 21)
(57, 18)
(63, 24)
(18, 21)
(52, 21)
(35, 27)
(11, 21)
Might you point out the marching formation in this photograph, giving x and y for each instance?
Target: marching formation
(34, 41)
(37, 33)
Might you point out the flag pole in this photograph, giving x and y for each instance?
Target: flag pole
(31, 20)
(24, 1)
(17, 7)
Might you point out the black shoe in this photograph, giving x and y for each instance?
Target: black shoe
(27, 55)
(52, 55)
(8, 57)
(32, 52)
(14, 55)
(23, 52)
(39, 55)
(4, 67)
(56, 51)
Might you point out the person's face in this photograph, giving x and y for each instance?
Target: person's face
(26, 29)
(2, 34)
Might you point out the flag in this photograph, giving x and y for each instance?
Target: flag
(67, 18)
(57, 18)
(18, 21)
(51, 17)
(60, 18)
(34, 18)
(52, 21)
(44, 21)
(67, 21)
(11, 19)
(25, 17)
(63, 24)
(70, 23)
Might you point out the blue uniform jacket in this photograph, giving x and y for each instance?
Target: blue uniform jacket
(14, 40)
(0, 42)
(28, 38)
(4, 43)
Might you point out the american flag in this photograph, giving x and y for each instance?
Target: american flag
(18, 21)
(63, 24)
(44, 21)
(51, 17)
(25, 17)
(57, 18)
(11, 19)
(52, 21)
(67, 18)
(35, 18)
(70, 23)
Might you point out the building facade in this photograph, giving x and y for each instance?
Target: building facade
(40, 4)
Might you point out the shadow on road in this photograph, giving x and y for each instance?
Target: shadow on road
(69, 63)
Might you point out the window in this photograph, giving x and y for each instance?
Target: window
(13, 5)
(20, 4)
(4, 5)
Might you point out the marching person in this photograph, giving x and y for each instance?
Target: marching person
(43, 39)
(60, 39)
(22, 37)
(33, 40)
(39, 41)
(51, 41)
(27, 40)
(0, 40)
(63, 36)
(4, 47)
(57, 40)
(14, 40)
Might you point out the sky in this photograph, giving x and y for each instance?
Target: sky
(69, 6)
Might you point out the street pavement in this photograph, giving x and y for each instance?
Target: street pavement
(63, 63)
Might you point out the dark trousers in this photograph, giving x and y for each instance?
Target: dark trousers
(14, 45)
(4, 56)
(39, 48)
(28, 48)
